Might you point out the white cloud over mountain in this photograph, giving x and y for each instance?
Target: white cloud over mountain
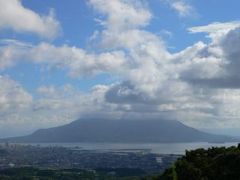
(198, 85)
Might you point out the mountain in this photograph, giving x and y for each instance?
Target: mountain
(125, 131)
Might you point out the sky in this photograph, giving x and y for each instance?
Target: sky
(138, 59)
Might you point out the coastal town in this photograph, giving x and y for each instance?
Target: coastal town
(54, 157)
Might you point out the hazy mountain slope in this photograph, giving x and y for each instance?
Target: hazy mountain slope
(121, 131)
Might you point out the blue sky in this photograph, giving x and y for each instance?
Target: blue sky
(60, 61)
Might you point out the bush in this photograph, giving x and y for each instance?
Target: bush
(211, 164)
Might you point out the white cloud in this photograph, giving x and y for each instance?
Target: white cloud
(151, 83)
(185, 83)
(122, 21)
(215, 30)
(20, 19)
(13, 98)
(215, 27)
(182, 7)
(10, 52)
(122, 14)
(77, 61)
(231, 53)
(146, 51)
(216, 64)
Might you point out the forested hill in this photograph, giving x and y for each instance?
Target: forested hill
(211, 164)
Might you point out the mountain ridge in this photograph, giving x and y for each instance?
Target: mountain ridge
(120, 131)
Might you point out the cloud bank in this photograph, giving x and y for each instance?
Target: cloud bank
(198, 85)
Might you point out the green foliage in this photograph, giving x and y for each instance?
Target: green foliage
(169, 174)
(211, 164)
(68, 174)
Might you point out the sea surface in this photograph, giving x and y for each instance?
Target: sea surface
(158, 148)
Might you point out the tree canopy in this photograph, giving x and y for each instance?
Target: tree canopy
(219, 163)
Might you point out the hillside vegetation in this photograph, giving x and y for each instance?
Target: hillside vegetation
(211, 164)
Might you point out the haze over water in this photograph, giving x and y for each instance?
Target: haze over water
(158, 148)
